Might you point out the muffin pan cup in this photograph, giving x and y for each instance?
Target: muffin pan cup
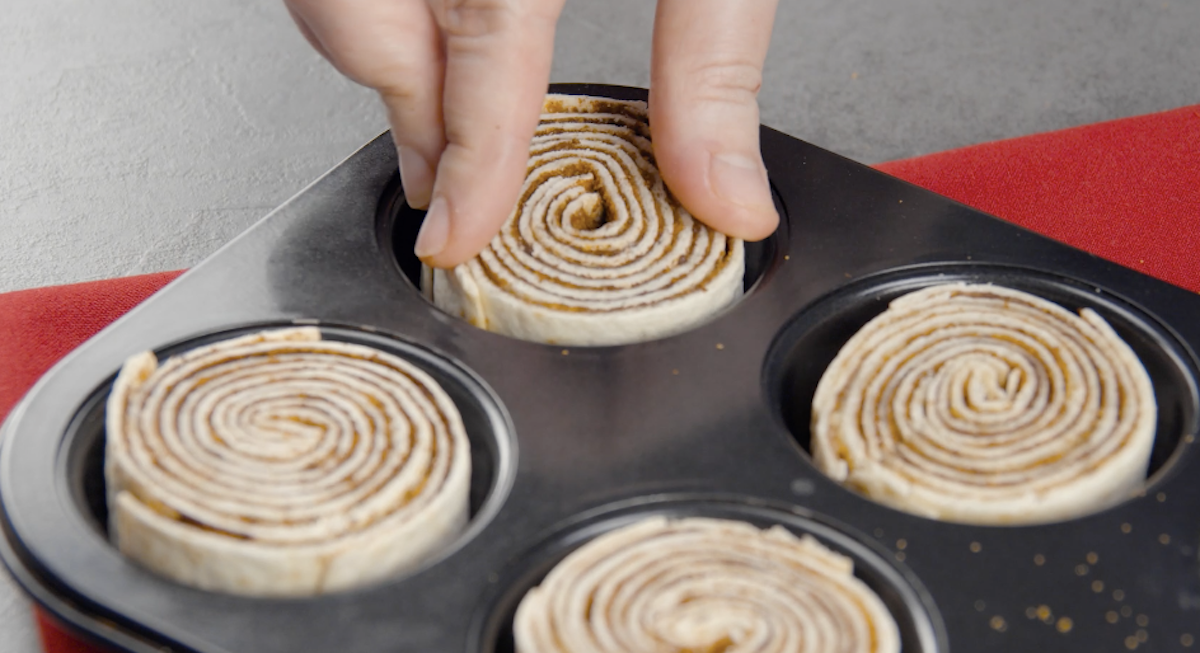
(710, 421)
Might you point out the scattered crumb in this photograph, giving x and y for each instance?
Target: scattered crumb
(1081, 570)
(1186, 639)
(1164, 539)
(1126, 528)
(1092, 558)
(1031, 612)
(1131, 642)
(1039, 560)
(1142, 620)
(1142, 636)
(720, 346)
(901, 544)
(1118, 595)
(976, 547)
(1097, 586)
(1126, 611)
(675, 372)
(900, 556)
(1161, 496)
(566, 351)
(1112, 617)
(786, 257)
(998, 624)
(1064, 624)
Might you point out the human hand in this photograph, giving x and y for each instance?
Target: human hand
(463, 82)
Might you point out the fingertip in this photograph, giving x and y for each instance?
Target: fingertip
(439, 244)
(434, 233)
(416, 176)
(752, 226)
(745, 208)
(446, 260)
(728, 191)
(747, 223)
(453, 232)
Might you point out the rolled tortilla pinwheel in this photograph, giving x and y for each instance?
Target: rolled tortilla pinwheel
(596, 251)
(700, 584)
(281, 464)
(982, 404)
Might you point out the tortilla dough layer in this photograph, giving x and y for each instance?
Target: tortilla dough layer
(596, 251)
(983, 404)
(700, 584)
(280, 464)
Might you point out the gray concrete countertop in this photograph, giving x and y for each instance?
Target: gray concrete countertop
(141, 135)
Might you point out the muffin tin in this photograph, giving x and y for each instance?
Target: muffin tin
(571, 442)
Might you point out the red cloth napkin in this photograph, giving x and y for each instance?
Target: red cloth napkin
(40, 326)
(1127, 190)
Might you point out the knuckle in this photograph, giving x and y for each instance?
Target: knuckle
(476, 18)
(471, 146)
(395, 89)
(727, 82)
(396, 83)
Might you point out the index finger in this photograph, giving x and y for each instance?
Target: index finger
(497, 69)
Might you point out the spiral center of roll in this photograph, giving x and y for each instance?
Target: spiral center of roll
(709, 624)
(587, 212)
(991, 385)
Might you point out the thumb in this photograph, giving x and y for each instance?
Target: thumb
(705, 75)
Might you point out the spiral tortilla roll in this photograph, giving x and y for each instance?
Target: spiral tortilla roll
(280, 464)
(702, 584)
(983, 404)
(596, 251)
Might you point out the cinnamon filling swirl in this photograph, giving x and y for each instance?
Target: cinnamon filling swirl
(282, 464)
(983, 404)
(701, 584)
(597, 251)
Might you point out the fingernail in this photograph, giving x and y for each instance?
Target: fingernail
(434, 231)
(416, 176)
(741, 180)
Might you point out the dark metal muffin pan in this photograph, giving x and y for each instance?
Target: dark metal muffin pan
(572, 442)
